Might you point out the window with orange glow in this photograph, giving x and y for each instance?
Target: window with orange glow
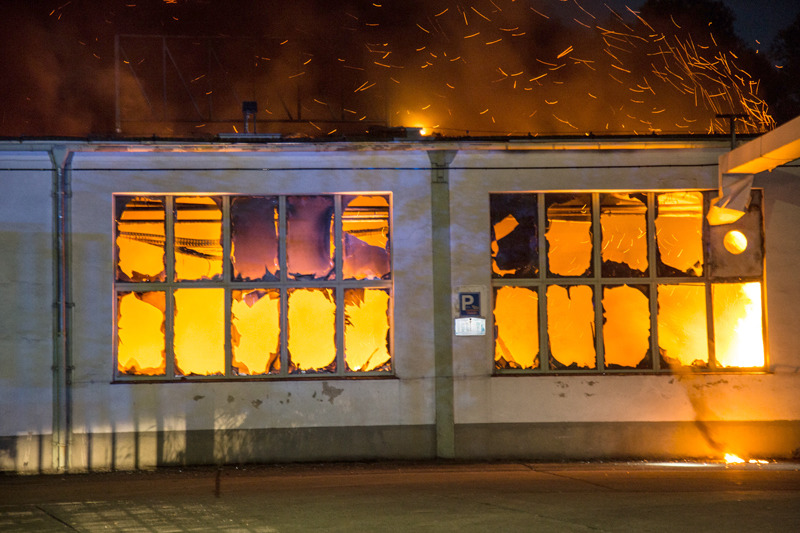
(629, 282)
(229, 286)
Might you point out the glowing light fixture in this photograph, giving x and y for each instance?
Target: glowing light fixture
(735, 242)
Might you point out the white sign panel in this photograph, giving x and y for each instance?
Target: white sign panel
(470, 326)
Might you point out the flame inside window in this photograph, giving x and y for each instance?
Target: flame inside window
(312, 330)
(199, 342)
(679, 233)
(514, 221)
(623, 222)
(570, 326)
(682, 331)
(140, 333)
(140, 238)
(738, 332)
(198, 238)
(516, 319)
(309, 250)
(254, 238)
(255, 331)
(569, 234)
(365, 228)
(626, 330)
(366, 334)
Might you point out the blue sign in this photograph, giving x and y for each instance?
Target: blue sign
(469, 303)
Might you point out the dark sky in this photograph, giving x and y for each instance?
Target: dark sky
(488, 67)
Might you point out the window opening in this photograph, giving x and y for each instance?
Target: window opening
(229, 286)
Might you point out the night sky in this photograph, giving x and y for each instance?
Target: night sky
(487, 67)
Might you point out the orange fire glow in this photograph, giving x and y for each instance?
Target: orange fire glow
(679, 231)
(569, 239)
(366, 329)
(626, 331)
(570, 325)
(682, 331)
(198, 238)
(312, 329)
(140, 333)
(738, 331)
(516, 317)
(199, 335)
(255, 331)
(140, 240)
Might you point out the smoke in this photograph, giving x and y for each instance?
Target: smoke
(491, 67)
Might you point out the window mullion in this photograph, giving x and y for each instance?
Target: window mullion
(169, 259)
(284, 294)
(597, 266)
(338, 240)
(544, 344)
(712, 356)
(226, 283)
(652, 280)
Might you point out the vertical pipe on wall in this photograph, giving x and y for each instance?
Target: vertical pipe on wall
(442, 303)
(61, 159)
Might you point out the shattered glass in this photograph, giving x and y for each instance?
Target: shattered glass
(682, 330)
(679, 234)
(514, 235)
(141, 348)
(312, 330)
(738, 330)
(365, 228)
(626, 326)
(198, 238)
(140, 222)
(199, 341)
(569, 234)
(623, 223)
(309, 237)
(254, 238)
(571, 327)
(516, 322)
(255, 331)
(366, 331)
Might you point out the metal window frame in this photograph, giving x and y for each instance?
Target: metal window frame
(338, 285)
(597, 283)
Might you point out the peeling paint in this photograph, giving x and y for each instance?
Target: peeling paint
(256, 403)
(198, 397)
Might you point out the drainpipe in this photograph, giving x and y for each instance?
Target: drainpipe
(61, 158)
(442, 303)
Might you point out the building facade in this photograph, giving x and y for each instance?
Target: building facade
(176, 303)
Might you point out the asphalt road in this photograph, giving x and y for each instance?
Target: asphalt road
(365, 497)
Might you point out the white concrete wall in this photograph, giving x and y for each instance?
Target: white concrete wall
(102, 407)
(26, 309)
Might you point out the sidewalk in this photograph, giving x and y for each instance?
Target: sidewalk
(356, 497)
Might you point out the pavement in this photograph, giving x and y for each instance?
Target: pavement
(411, 497)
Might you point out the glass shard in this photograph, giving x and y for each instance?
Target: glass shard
(626, 328)
(140, 237)
(516, 320)
(309, 250)
(514, 234)
(682, 330)
(679, 234)
(366, 331)
(365, 228)
(569, 234)
(255, 331)
(623, 224)
(570, 327)
(141, 349)
(199, 342)
(312, 330)
(254, 238)
(198, 238)
(738, 331)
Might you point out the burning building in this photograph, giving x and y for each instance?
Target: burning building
(208, 302)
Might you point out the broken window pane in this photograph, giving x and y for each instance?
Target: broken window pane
(623, 223)
(309, 253)
(140, 238)
(199, 332)
(514, 234)
(570, 327)
(140, 333)
(516, 322)
(626, 327)
(198, 238)
(254, 238)
(682, 330)
(569, 234)
(738, 332)
(312, 330)
(366, 330)
(255, 331)
(679, 234)
(365, 228)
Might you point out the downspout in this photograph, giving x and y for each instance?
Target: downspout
(61, 158)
